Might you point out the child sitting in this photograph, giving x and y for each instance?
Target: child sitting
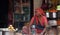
(25, 29)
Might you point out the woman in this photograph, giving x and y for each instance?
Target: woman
(40, 21)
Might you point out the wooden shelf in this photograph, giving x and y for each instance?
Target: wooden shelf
(25, 4)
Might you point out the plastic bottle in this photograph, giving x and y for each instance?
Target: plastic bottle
(33, 29)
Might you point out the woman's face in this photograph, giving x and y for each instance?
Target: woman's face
(37, 13)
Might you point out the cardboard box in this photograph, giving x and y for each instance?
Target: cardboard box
(51, 32)
(58, 28)
(58, 22)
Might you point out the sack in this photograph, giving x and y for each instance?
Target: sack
(39, 26)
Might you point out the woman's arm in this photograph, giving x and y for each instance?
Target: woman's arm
(45, 21)
(46, 24)
(31, 22)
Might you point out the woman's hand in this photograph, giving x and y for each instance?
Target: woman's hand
(43, 32)
(29, 30)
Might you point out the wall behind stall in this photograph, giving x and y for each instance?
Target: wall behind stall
(37, 4)
(3, 13)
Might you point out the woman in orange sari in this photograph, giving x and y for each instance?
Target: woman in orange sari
(40, 21)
